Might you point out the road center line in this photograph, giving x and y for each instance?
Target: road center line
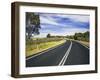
(62, 62)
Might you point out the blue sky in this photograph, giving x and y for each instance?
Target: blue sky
(62, 24)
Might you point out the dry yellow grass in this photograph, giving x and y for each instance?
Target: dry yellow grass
(35, 49)
(83, 42)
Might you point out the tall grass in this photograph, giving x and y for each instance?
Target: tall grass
(33, 46)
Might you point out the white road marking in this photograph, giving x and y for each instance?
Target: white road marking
(62, 62)
(43, 52)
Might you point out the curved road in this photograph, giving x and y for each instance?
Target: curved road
(69, 53)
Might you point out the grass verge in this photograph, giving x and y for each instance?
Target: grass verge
(84, 43)
(35, 49)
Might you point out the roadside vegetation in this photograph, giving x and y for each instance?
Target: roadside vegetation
(34, 46)
(84, 43)
(82, 38)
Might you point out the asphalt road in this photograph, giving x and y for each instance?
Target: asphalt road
(69, 53)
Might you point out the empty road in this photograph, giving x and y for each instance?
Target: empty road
(68, 53)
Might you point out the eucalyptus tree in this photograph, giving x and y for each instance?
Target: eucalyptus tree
(32, 24)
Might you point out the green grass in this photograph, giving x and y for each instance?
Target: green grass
(35, 48)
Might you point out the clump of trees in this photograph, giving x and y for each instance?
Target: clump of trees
(32, 24)
(54, 36)
(48, 35)
(80, 36)
(77, 36)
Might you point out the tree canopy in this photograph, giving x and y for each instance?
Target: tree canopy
(48, 35)
(82, 36)
(32, 24)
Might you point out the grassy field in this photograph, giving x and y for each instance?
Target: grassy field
(36, 48)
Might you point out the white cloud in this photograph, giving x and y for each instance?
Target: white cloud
(75, 17)
(79, 18)
(47, 20)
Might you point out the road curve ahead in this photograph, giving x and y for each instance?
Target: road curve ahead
(69, 53)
